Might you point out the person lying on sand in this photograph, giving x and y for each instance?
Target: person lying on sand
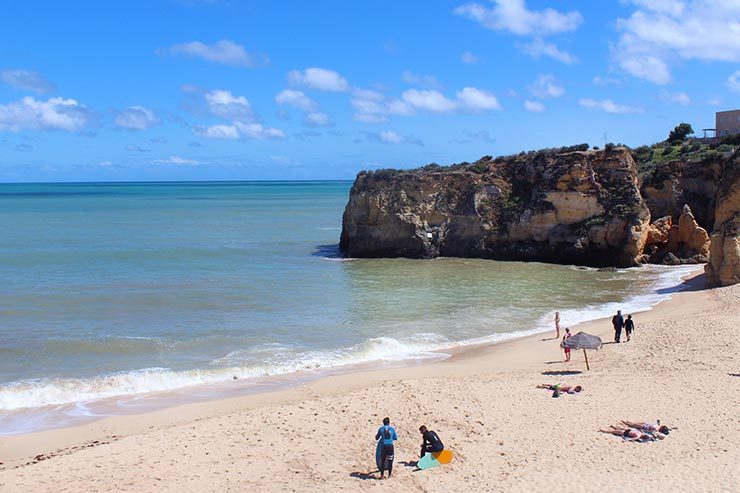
(648, 427)
(630, 434)
(568, 389)
(431, 442)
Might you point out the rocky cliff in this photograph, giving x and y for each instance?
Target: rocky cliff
(724, 266)
(568, 206)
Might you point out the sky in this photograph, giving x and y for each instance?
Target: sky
(279, 90)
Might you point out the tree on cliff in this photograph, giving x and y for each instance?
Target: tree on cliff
(680, 133)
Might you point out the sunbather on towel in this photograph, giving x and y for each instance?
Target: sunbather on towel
(568, 389)
(648, 427)
(630, 434)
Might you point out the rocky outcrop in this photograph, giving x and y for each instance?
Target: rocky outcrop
(724, 266)
(674, 244)
(580, 207)
(670, 186)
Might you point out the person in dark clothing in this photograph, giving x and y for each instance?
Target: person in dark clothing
(387, 435)
(618, 323)
(431, 442)
(629, 326)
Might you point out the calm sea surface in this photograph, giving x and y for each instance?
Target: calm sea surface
(115, 290)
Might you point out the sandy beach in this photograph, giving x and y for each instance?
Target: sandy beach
(681, 367)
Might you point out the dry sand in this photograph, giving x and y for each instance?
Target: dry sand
(682, 366)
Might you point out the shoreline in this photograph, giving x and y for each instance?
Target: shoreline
(83, 412)
(517, 353)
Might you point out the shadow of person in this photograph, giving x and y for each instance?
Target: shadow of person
(410, 463)
(562, 372)
(365, 476)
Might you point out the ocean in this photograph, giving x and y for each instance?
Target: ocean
(114, 293)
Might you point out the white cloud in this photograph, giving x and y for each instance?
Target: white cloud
(257, 131)
(224, 51)
(225, 132)
(608, 105)
(646, 67)
(429, 100)
(177, 160)
(545, 87)
(660, 32)
(676, 97)
(606, 81)
(420, 80)
(238, 130)
(714, 102)
(136, 118)
(671, 7)
(538, 48)
(468, 58)
(296, 99)
(224, 104)
(53, 114)
(513, 16)
(733, 82)
(135, 148)
(375, 107)
(317, 119)
(392, 137)
(534, 106)
(27, 80)
(320, 79)
(473, 99)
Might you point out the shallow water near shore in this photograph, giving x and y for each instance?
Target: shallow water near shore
(109, 292)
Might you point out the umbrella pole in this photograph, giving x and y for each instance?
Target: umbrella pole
(585, 354)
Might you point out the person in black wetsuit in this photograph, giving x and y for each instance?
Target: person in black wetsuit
(629, 326)
(618, 323)
(431, 443)
(387, 435)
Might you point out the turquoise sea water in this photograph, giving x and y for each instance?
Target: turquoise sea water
(115, 290)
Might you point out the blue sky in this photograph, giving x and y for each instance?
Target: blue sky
(249, 90)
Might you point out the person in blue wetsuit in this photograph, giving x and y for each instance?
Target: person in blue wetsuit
(431, 442)
(387, 435)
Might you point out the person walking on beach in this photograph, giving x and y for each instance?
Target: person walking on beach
(557, 325)
(387, 435)
(566, 349)
(431, 442)
(629, 326)
(618, 323)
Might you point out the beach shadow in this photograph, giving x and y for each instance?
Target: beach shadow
(410, 463)
(561, 372)
(328, 251)
(698, 283)
(734, 374)
(552, 362)
(548, 339)
(365, 476)
(611, 342)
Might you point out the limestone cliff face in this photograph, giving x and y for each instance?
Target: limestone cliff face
(724, 266)
(671, 186)
(581, 207)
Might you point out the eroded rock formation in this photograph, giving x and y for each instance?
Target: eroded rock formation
(724, 266)
(581, 207)
(670, 186)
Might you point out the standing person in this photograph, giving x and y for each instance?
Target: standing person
(387, 435)
(618, 323)
(629, 326)
(431, 442)
(565, 348)
(557, 325)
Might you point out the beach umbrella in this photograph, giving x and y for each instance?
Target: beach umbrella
(583, 341)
